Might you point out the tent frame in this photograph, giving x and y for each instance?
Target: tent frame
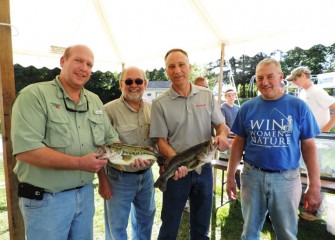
(7, 96)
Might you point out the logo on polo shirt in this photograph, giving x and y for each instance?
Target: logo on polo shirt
(56, 105)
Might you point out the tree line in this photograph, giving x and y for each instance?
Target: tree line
(319, 59)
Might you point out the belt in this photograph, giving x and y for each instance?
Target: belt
(138, 172)
(70, 189)
(267, 170)
(263, 169)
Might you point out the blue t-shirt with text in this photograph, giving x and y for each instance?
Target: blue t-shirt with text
(273, 130)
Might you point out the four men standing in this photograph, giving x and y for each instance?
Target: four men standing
(58, 125)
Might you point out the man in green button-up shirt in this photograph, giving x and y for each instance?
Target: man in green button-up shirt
(57, 127)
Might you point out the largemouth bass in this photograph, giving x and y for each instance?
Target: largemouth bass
(193, 158)
(125, 154)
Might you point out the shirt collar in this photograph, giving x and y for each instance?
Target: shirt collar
(130, 107)
(60, 87)
(173, 94)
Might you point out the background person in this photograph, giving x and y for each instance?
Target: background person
(320, 103)
(202, 82)
(272, 129)
(130, 190)
(229, 109)
(182, 117)
(56, 127)
(316, 98)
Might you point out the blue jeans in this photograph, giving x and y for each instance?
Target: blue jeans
(199, 189)
(134, 194)
(59, 216)
(275, 193)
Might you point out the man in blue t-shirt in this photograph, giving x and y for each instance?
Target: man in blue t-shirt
(270, 130)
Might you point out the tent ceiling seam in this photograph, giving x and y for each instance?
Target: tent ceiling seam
(108, 30)
(200, 9)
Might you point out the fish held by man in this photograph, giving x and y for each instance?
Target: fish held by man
(125, 154)
(193, 158)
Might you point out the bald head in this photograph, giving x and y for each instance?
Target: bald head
(200, 81)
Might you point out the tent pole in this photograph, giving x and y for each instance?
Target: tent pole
(219, 102)
(221, 74)
(7, 96)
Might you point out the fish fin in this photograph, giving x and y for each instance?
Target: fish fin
(198, 170)
(201, 156)
(101, 150)
(127, 158)
(195, 164)
(147, 148)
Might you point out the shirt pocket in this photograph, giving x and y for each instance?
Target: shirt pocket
(57, 133)
(127, 133)
(97, 129)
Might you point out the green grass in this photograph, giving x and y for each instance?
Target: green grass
(4, 229)
(226, 223)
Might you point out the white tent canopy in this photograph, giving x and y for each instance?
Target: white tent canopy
(133, 32)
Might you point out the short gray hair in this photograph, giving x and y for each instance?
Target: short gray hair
(128, 68)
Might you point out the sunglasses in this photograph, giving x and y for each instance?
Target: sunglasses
(129, 82)
(74, 110)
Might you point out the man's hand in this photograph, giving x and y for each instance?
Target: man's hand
(231, 188)
(91, 163)
(222, 142)
(311, 200)
(140, 163)
(180, 173)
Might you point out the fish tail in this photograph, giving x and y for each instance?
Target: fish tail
(161, 184)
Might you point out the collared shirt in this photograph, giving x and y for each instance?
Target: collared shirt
(40, 119)
(132, 126)
(185, 121)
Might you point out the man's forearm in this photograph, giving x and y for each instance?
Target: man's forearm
(49, 158)
(165, 148)
(309, 154)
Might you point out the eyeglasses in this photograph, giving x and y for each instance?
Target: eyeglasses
(74, 110)
(129, 82)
